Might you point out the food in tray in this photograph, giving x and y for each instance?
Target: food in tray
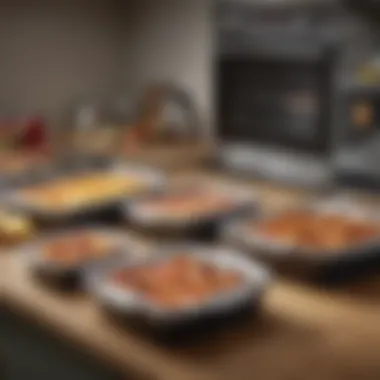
(14, 228)
(178, 282)
(76, 248)
(189, 203)
(306, 229)
(89, 188)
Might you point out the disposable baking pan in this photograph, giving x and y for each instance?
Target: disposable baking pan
(325, 266)
(202, 227)
(107, 208)
(70, 277)
(183, 322)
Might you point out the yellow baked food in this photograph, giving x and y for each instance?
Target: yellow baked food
(14, 228)
(90, 188)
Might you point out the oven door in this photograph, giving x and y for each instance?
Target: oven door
(274, 116)
(282, 104)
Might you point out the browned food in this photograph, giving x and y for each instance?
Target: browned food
(318, 231)
(76, 249)
(195, 203)
(178, 282)
(70, 192)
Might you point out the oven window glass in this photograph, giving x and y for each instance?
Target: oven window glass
(276, 103)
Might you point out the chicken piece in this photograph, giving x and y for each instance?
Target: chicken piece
(179, 282)
(195, 203)
(75, 249)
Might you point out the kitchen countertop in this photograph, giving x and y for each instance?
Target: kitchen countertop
(301, 332)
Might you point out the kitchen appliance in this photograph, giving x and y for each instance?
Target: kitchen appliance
(356, 160)
(275, 92)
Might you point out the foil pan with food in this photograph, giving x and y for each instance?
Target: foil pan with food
(324, 233)
(15, 228)
(181, 285)
(86, 191)
(64, 257)
(191, 210)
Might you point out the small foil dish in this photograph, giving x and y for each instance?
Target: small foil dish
(192, 211)
(63, 258)
(86, 191)
(328, 237)
(180, 287)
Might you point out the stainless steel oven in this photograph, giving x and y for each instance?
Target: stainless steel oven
(275, 101)
(275, 97)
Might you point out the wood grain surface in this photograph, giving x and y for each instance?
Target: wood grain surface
(301, 332)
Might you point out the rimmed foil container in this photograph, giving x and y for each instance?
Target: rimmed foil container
(222, 307)
(119, 244)
(193, 226)
(324, 265)
(151, 179)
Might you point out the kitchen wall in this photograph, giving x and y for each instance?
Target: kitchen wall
(52, 54)
(171, 40)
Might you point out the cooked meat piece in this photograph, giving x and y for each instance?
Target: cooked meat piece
(75, 249)
(317, 231)
(195, 203)
(178, 282)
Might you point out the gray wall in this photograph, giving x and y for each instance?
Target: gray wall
(171, 40)
(52, 54)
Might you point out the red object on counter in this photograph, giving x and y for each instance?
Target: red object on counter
(34, 134)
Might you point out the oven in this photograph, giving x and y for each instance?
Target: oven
(282, 102)
(275, 96)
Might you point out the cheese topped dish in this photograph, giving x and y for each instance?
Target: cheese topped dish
(178, 282)
(306, 229)
(90, 188)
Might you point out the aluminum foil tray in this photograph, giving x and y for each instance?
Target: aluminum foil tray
(139, 215)
(256, 279)
(237, 233)
(154, 181)
(121, 245)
